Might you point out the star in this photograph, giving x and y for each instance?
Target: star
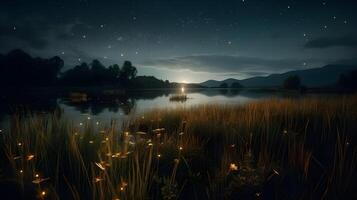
(345, 22)
(304, 35)
(136, 52)
(121, 54)
(79, 59)
(84, 36)
(229, 42)
(62, 52)
(288, 7)
(102, 26)
(14, 28)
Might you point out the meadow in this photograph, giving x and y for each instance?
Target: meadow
(301, 148)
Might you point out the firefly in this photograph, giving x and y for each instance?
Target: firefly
(233, 167)
(30, 157)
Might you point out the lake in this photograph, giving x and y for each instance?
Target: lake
(135, 102)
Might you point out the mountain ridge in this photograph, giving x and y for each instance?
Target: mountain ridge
(315, 77)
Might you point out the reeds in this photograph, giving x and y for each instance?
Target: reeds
(262, 149)
(178, 97)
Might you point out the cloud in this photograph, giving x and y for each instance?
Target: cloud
(26, 34)
(33, 32)
(327, 42)
(248, 66)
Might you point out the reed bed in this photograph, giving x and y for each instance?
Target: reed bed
(273, 149)
(178, 97)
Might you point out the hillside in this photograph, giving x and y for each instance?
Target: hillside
(316, 77)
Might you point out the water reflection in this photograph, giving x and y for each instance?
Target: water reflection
(109, 107)
(96, 106)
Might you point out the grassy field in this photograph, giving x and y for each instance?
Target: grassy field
(274, 149)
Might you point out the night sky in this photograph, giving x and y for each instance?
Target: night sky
(186, 40)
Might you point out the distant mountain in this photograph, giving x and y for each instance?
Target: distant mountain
(214, 83)
(316, 77)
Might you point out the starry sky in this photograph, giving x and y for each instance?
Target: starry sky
(186, 40)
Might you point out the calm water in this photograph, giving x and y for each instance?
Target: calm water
(103, 110)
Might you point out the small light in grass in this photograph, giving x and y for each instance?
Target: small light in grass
(180, 148)
(36, 175)
(0, 130)
(285, 131)
(233, 167)
(88, 118)
(91, 142)
(19, 144)
(159, 155)
(30, 157)
(123, 185)
(21, 171)
(150, 144)
(43, 193)
(81, 124)
(258, 194)
(233, 145)
(97, 179)
(97, 123)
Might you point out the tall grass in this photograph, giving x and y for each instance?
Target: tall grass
(274, 149)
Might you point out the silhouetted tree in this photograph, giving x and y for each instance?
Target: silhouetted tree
(99, 73)
(114, 73)
(149, 82)
(292, 83)
(128, 71)
(79, 75)
(18, 68)
(348, 81)
(223, 85)
(236, 85)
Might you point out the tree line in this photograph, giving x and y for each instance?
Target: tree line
(347, 82)
(19, 69)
